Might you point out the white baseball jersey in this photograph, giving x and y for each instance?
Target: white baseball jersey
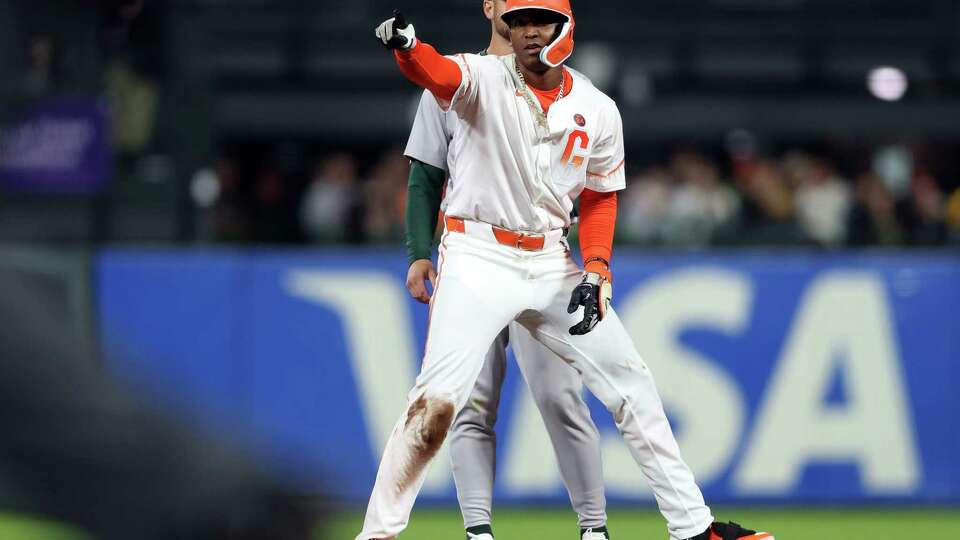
(505, 168)
(431, 133)
(433, 129)
(430, 136)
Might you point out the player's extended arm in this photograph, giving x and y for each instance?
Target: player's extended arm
(424, 193)
(427, 68)
(598, 219)
(419, 61)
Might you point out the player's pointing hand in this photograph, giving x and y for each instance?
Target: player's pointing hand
(395, 33)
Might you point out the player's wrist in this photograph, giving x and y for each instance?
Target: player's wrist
(598, 265)
(414, 258)
(407, 52)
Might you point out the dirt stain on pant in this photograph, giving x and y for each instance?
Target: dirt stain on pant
(428, 421)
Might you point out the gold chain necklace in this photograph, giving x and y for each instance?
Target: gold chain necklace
(534, 107)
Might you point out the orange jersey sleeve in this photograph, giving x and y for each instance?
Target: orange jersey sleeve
(598, 220)
(427, 68)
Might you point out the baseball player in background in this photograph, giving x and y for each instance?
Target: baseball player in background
(530, 138)
(556, 387)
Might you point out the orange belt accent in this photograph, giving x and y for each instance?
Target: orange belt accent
(526, 242)
(456, 225)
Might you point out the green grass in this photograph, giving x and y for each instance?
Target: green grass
(786, 524)
(540, 524)
(19, 527)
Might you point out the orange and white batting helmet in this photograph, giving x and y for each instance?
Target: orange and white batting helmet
(560, 48)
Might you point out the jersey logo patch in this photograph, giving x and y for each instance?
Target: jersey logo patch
(576, 138)
(580, 120)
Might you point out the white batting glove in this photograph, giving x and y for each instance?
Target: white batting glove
(395, 33)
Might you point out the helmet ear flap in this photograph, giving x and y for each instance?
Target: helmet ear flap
(558, 51)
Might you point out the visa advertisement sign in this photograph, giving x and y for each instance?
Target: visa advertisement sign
(788, 377)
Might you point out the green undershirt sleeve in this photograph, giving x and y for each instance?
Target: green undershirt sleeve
(424, 193)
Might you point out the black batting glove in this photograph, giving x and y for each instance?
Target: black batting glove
(593, 293)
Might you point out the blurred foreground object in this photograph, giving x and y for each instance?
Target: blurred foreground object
(76, 447)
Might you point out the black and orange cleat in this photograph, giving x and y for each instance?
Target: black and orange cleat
(731, 531)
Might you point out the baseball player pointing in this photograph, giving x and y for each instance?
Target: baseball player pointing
(531, 137)
(556, 388)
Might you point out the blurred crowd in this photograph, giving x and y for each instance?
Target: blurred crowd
(797, 198)
(332, 204)
(690, 199)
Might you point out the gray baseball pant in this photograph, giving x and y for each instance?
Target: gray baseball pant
(557, 390)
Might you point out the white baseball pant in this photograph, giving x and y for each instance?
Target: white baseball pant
(483, 286)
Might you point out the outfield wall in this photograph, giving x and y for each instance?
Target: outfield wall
(789, 377)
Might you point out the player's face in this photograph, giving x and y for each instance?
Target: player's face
(531, 31)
